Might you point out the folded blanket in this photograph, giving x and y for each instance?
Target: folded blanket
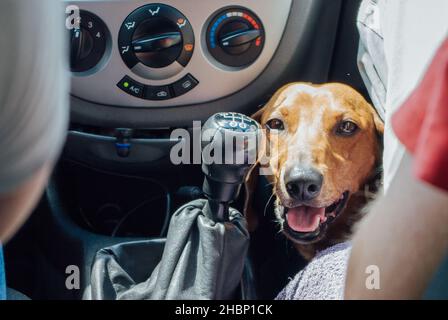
(322, 279)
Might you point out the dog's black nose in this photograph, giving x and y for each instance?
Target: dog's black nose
(303, 183)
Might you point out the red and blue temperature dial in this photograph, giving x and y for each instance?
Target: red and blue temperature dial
(235, 37)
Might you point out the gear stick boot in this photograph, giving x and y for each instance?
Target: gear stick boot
(205, 250)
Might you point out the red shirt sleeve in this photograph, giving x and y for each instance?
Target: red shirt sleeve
(421, 123)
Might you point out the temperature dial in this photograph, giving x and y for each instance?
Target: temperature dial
(235, 37)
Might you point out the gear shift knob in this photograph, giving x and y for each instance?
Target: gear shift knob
(229, 149)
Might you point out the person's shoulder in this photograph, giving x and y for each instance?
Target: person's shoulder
(421, 123)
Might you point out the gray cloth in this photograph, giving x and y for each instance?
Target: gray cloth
(202, 259)
(12, 294)
(323, 278)
(34, 87)
(398, 39)
(372, 62)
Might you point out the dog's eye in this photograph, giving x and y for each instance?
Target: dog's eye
(275, 124)
(347, 128)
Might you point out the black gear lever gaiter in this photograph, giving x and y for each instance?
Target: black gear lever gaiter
(206, 246)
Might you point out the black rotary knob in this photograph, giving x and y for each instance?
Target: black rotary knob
(87, 43)
(157, 42)
(156, 35)
(235, 37)
(81, 46)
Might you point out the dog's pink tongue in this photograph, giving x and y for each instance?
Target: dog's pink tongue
(305, 219)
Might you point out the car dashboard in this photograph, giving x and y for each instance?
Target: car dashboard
(140, 64)
(154, 67)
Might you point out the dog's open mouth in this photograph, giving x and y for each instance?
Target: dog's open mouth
(305, 223)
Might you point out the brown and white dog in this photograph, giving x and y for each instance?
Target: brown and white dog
(325, 145)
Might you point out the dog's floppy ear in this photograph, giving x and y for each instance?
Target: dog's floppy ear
(379, 127)
(251, 183)
(379, 124)
(257, 115)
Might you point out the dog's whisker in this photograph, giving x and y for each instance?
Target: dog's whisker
(269, 184)
(267, 204)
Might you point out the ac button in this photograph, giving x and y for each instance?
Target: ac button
(131, 87)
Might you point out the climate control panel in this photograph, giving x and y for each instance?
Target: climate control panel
(156, 41)
(132, 53)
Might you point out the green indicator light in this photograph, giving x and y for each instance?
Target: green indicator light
(126, 84)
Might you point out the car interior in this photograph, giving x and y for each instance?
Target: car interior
(139, 71)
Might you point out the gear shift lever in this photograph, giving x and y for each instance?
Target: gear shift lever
(229, 149)
(204, 254)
